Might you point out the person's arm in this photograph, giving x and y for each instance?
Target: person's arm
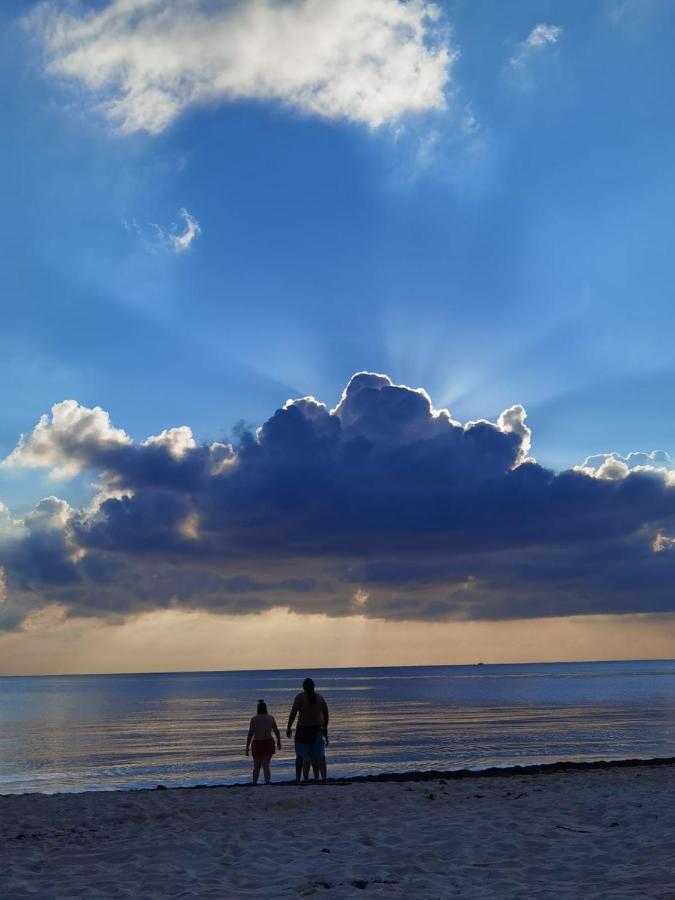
(291, 718)
(275, 729)
(324, 711)
(249, 736)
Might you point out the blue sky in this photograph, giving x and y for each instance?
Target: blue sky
(508, 243)
(528, 261)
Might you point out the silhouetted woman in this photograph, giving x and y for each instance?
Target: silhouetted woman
(261, 742)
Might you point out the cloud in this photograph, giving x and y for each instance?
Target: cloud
(661, 543)
(157, 238)
(73, 437)
(10, 528)
(539, 38)
(383, 506)
(632, 12)
(177, 441)
(614, 467)
(144, 62)
(180, 242)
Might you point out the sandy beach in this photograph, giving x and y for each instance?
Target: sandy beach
(604, 832)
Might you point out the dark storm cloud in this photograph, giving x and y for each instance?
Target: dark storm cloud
(383, 506)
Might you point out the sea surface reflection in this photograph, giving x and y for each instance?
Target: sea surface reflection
(131, 731)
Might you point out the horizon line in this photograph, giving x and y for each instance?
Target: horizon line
(480, 663)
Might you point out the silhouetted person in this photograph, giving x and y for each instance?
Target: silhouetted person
(261, 742)
(311, 734)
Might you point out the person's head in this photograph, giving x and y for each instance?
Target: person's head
(308, 688)
(262, 708)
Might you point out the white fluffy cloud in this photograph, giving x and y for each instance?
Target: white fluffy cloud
(66, 442)
(614, 467)
(76, 437)
(145, 61)
(176, 441)
(10, 528)
(540, 37)
(512, 421)
(51, 514)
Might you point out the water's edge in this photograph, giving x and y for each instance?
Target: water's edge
(413, 775)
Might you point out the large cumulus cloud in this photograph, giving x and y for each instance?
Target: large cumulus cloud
(382, 506)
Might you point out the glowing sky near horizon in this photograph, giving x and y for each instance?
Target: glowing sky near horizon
(210, 208)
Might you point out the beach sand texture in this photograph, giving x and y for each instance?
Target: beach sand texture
(584, 833)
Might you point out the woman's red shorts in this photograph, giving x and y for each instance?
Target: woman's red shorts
(264, 747)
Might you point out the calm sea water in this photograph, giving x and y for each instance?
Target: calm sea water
(132, 731)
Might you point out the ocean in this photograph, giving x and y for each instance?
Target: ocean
(112, 732)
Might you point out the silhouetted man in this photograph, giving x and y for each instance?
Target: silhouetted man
(311, 734)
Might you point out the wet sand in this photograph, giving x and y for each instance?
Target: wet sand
(598, 831)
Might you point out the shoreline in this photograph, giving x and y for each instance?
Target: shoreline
(412, 775)
(509, 771)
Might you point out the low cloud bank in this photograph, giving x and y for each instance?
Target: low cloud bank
(383, 507)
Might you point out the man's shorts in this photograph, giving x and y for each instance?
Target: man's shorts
(307, 750)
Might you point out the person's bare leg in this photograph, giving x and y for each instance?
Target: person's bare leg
(298, 768)
(266, 768)
(256, 770)
(305, 770)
